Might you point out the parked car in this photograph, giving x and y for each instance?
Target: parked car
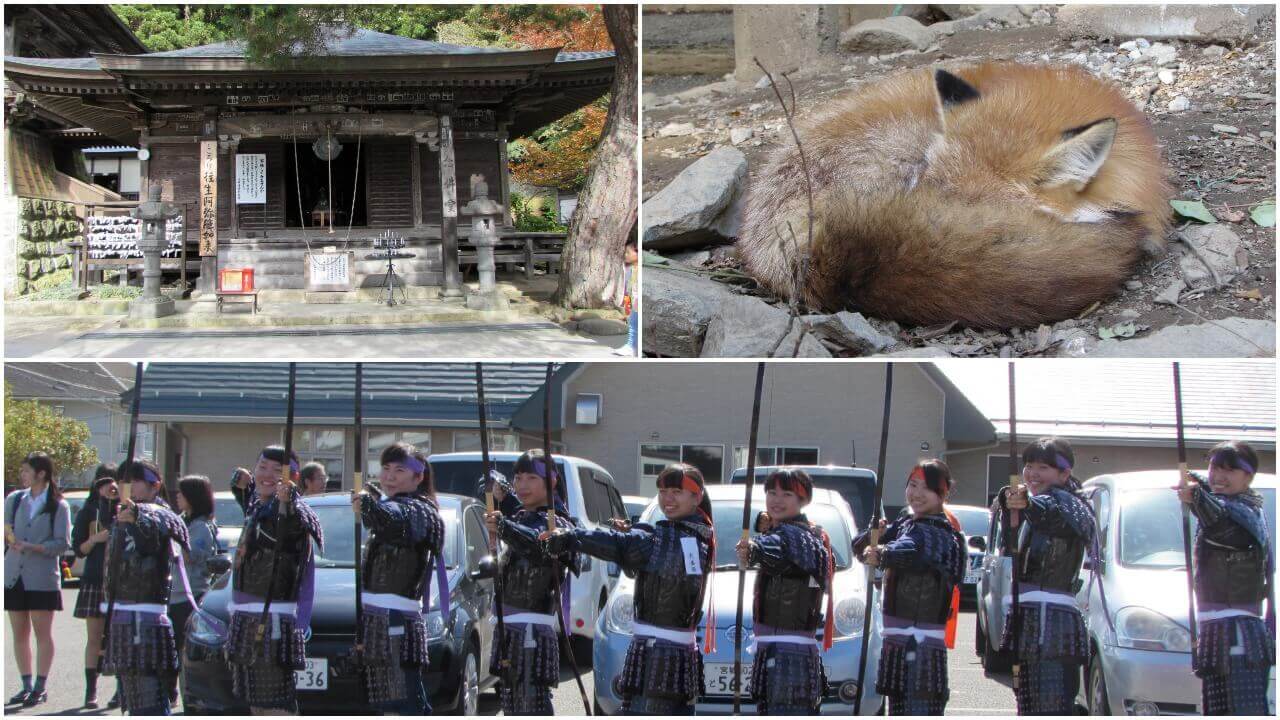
(229, 517)
(1144, 667)
(75, 500)
(458, 646)
(856, 485)
(973, 523)
(613, 632)
(593, 499)
(635, 505)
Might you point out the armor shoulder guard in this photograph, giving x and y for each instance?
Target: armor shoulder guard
(1246, 511)
(307, 517)
(1075, 512)
(803, 548)
(160, 523)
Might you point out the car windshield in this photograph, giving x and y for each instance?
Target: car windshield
(858, 491)
(462, 477)
(973, 521)
(74, 504)
(727, 515)
(227, 512)
(1150, 537)
(339, 536)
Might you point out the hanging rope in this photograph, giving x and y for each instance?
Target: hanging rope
(355, 183)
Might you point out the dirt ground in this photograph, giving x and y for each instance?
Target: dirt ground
(1230, 172)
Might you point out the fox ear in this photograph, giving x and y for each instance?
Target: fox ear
(1077, 159)
(952, 91)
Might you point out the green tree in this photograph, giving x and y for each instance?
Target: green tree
(30, 426)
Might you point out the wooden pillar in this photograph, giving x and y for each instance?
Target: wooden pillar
(415, 172)
(449, 210)
(504, 177)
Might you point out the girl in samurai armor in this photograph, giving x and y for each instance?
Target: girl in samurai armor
(672, 561)
(1233, 575)
(923, 557)
(527, 656)
(405, 549)
(1057, 529)
(795, 569)
(272, 587)
(140, 642)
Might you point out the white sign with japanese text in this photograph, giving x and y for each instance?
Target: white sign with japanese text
(251, 179)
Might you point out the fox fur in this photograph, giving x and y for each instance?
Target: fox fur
(998, 195)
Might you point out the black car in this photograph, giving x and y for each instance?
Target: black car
(331, 684)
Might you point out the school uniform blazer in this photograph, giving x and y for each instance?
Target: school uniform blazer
(38, 569)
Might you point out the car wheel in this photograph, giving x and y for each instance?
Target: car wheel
(979, 636)
(468, 701)
(1098, 702)
(994, 661)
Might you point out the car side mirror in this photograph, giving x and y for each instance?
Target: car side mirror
(218, 565)
(979, 543)
(485, 569)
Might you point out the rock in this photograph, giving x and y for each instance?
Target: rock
(700, 205)
(1179, 104)
(1073, 342)
(737, 136)
(692, 258)
(1166, 77)
(929, 351)
(1228, 129)
(1008, 15)
(1205, 340)
(886, 35)
(1198, 23)
(955, 12)
(1132, 285)
(1214, 51)
(1217, 244)
(1129, 45)
(1161, 54)
(676, 130)
(677, 308)
(602, 326)
(1171, 293)
(702, 92)
(749, 327)
(853, 331)
(1130, 314)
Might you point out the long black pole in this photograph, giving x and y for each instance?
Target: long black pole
(548, 467)
(1015, 479)
(503, 661)
(357, 484)
(874, 527)
(1186, 509)
(746, 534)
(286, 478)
(115, 548)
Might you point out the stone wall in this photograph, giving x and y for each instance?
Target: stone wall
(44, 229)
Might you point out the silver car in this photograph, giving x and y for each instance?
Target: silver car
(1144, 666)
(613, 632)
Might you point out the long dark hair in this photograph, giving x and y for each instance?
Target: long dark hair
(198, 491)
(40, 462)
(399, 452)
(793, 480)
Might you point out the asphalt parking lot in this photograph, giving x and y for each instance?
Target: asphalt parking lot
(972, 693)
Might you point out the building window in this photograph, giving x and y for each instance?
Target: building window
(776, 456)
(589, 409)
(378, 440)
(997, 475)
(146, 442)
(326, 446)
(469, 441)
(707, 458)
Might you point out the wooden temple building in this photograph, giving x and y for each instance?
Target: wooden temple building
(377, 133)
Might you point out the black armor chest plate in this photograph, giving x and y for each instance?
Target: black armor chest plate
(919, 596)
(258, 570)
(143, 578)
(667, 595)
(1235, 576)
(396, 569)
(789, 602)
(1051, 561)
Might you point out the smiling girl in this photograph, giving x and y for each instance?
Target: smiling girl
(923, 557)
(527, 657)
(1233, 571)
(795, 570)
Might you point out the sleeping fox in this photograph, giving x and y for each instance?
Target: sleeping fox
(999, 195)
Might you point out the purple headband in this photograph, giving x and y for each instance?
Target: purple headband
(1062, 462)
(414, 464)
(150, 476)
(540, 467)
(1222, 460)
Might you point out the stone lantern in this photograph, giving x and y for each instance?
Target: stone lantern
(485, 216)
(153, 239)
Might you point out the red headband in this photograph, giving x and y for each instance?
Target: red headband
(918, 474)
(688, 483)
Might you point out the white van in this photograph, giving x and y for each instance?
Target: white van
(593, 499)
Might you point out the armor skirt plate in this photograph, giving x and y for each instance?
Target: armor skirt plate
(913, 672)
(532, 655)
(262, 666)
(142, 643)
(662, 670)
(787, 679)
(393, 662)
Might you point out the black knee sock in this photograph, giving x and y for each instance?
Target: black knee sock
(91, 680)
(26, 683)
(39, 686)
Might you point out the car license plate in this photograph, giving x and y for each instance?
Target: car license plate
(315, 676)
(718, 678)
(974, 572)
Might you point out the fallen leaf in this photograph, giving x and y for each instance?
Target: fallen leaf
(1124, 329)
(1264, 214)
(1193, 209)
(1226, 214)
(1250, 294)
